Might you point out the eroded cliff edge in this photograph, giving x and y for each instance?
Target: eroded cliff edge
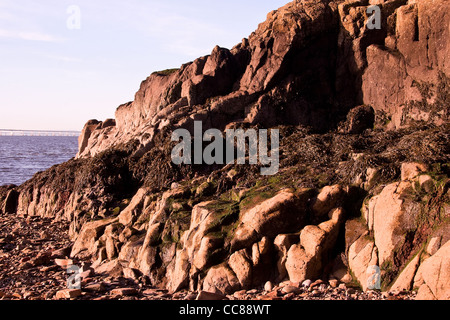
(363, 116)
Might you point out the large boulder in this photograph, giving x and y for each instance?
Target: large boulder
(301, 266)
(89, 234)
(178, 271)
(282, 243)
(329, 197)
(221, 279)
(241, 264)
(198, 250)
(433, 276)
(361, 252)
(284, 213)
(394, 216)
(362, 255)
(406, 278)
(202, 259)
(129, 214)
(262, 261)
(307, 259)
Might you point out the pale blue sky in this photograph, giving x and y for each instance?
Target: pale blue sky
(55, 78)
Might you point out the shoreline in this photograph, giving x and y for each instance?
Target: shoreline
(22, 157)
(32, 248)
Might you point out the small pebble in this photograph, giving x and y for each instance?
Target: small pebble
(306, 283)
(350, 291)
(290, 289)
(333, 283)
(268, 286)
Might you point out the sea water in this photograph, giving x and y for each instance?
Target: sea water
(23, 156)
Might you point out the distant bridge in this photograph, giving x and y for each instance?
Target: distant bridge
(38, 133)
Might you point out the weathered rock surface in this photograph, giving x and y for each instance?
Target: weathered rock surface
(392, 219)
(334, 88)
(406, 277)
(399, 69)
(68, 294)
(89, 234)
(221, 280)
(433, 276)
(284, 213)
(362, 254)
(306, 259)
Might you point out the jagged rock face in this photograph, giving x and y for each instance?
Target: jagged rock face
(306, 259)
(308, 63)
(191, 85)
(433, 275)
(396, 223)
(281, 213)
(253, 235)
(182, 247)
(405, 76)
(288, 61)
(393, 218)
(279, 46)
(312, 63)
(83, 139)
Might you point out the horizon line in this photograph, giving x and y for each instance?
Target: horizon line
(38, 133)
(37, 130)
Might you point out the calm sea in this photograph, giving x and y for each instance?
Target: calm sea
(21, 157)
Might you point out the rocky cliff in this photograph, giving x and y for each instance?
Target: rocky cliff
(364, 160)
